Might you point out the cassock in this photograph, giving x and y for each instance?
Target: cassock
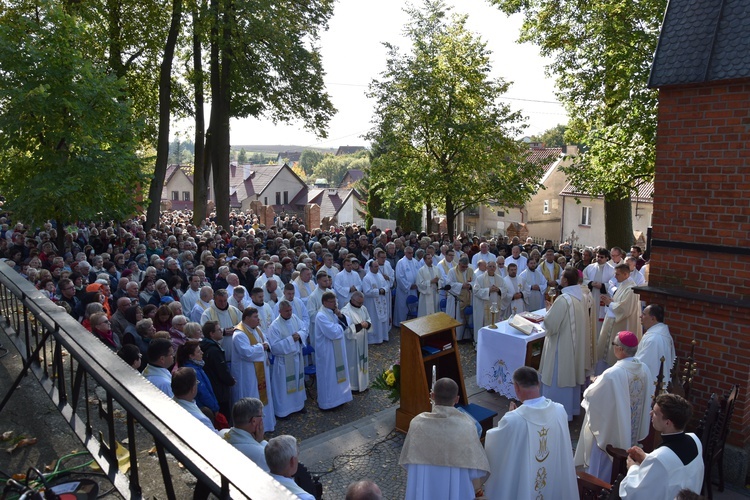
(377, 301)
(534, 299)
(251, 369)
(562, 366)
(442, 456)
(675, 465)
(342, 284)
(406, 276)
(655, 344)
(530, 454)
(515, 305)
(601, 273)
(428, 290)
(623, 313)
(330, 356)
(459, 298)
(302, 289)
(356, 346)
(227, 318)
(485, 299)
(288, 369)
(617, 407)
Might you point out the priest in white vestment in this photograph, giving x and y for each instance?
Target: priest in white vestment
(330, 355)
(617, 408)
(356, 341)
(656, 343)
(564, 353)
(377, 301)
(315, 301)
(533, 285)
(442, 454)
(299, 308)
(286, 337)
(265, 310)
(427, 284)
(250, 366)
(530, 443)
(515, 291)
(516, 258)
(444, 267)
(227, 316)
(303, 284)
(484, 254)
(406, 284)
(458, 288)
(346, 283)
(389, 275)
(476, 304)
(676, 464)
(490, 288)
(551, 270)
(623, 312)
(596, 276)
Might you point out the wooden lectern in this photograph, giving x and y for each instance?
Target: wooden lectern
(435, 331)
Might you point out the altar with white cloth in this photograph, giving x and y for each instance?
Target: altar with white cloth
(501, 350)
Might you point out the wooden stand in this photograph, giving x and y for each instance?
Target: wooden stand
(416, 366)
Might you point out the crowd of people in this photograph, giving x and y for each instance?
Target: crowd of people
(224, 316)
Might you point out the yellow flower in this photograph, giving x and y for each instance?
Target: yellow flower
(390, 379)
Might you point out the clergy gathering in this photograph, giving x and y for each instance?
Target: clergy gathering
(223, 322)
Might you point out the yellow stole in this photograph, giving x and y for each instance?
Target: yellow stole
(464, 298)
(260, 366)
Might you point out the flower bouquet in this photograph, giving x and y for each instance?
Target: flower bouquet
(390, 380)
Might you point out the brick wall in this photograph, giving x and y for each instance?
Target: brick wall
(702, 196)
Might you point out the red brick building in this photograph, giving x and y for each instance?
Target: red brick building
(700, 247)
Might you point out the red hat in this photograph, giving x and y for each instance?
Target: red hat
(628, 339)
(94, 287)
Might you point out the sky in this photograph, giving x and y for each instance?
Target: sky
(353, 55)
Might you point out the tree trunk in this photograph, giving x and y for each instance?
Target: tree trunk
(60, 240)
(220, 86)
(165, 108)
(450, 217)
(618, 220)
(200, 165)
(428, 217)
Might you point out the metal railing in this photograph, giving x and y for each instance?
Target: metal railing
(68, 362)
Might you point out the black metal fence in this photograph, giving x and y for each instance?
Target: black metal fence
(68, 362)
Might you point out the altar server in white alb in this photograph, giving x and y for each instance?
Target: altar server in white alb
(458, 287)
(565, 346)
(617, 408)
(428, 277)
(356, 341)
(442, 454)
(377, 301)
(250, 366)
(286, 337)
(491, 288)
(346, 283)
(676, 464)
(330, 355)
(406, 284)
(656, 343)
(529, 452)
(533, 285)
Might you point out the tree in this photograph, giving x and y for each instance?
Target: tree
(242, 157)
(263, 62)
(68, 146)
(444, 137)
(309, 158)
(552, 138)
(601, 53)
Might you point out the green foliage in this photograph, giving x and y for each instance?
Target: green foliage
(242, 157)
(601, 53)
(552, 138)
(309, 159)
(68, 143)
(442, 134)
(333, 168)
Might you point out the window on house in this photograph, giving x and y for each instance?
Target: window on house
(265, 200)
(546, 206)
(500, 213)
(278, 198)
(585, 216)
(286, 197)
(186, 196)
(175, 195)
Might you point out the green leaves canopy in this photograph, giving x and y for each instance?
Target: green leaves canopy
(440, 133)
(68, 145)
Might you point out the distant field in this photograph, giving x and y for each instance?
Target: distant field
(274, 149)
